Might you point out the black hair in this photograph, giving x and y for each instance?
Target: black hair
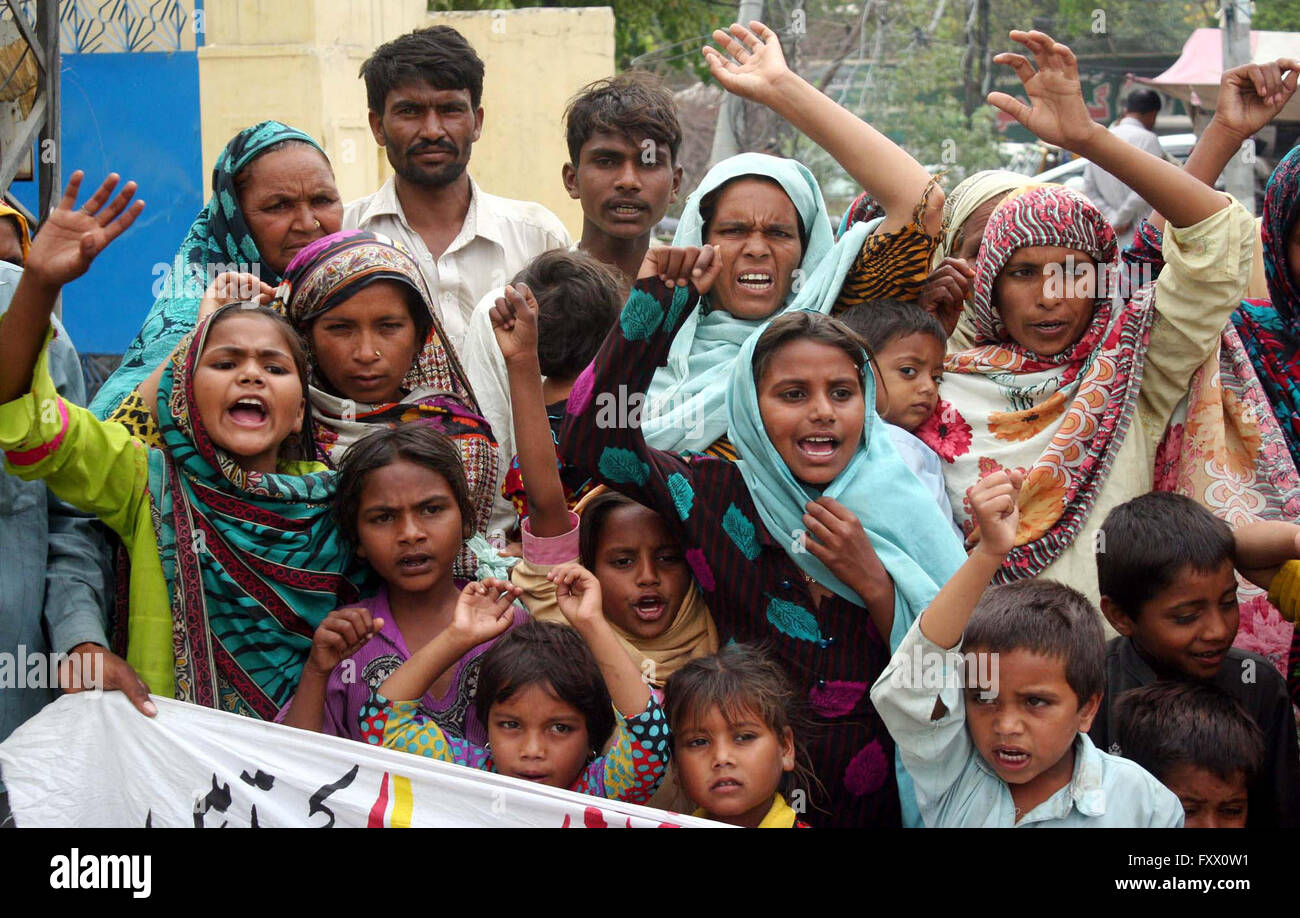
(803, 325)
(879, 322)
(634, 103)
(437, 55)
(740, 680)
(1177, 722)
(555, 657)
(1142, 101)
(709, 204)
(414, 442)
(578, 302)
(1147, 542)
(1044, 617)
(592, 524)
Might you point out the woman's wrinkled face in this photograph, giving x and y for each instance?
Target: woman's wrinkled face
(364, 347)
(289, 200)
(756, 229)
(1045, 295)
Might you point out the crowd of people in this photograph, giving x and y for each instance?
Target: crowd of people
(924, 521)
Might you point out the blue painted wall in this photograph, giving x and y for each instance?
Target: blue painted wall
(136, 114)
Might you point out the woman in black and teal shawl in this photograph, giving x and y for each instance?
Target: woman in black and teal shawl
(273, 192)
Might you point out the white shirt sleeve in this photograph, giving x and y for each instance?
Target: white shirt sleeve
(490, 381)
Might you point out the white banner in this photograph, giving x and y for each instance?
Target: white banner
(92, 759)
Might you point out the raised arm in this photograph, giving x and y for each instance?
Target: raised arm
(1250, 96)
(578, 595)
(514, 320)
(62, 251)
(484, 611)
(756, 70)
(1056, 113)
(993, 504)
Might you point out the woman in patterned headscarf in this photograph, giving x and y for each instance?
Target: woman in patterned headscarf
(379, 355)
(273, 192)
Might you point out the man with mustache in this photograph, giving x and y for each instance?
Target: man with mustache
(424, 91)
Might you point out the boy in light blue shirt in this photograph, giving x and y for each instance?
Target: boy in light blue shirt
(997, 735)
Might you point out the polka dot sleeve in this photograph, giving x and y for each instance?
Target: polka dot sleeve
(400, 725)
(635, 764)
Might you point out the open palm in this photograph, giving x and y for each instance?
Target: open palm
(755, 64)
(484, 610)
(71, 236)
(1056, 113)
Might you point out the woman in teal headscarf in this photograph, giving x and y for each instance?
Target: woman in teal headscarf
(273, 192)
(769, 222)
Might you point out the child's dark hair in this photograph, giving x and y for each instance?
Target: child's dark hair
(415, 442)
(1176, 722)
(1149, 541)
(741, 680)
(552, 656)
(438, 55)
(881, 321)
(1044, 617)
(592, 524)
(635, 104)
(578, 302)
(709, 204)
(801, 325)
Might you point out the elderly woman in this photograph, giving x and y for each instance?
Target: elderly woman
(273, 193)
(768, 221)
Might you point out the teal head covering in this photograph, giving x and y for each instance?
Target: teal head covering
(219, 236)
(253, 561)
(910, 534)
(687, 397)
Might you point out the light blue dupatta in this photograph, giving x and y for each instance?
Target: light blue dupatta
(686, 400)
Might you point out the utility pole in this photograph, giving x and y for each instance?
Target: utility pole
(725, 141)
(1234, 25)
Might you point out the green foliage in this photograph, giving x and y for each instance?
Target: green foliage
(1276, 16)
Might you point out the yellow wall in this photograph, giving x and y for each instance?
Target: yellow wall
(298, 62)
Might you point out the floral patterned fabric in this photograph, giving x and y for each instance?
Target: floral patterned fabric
(1059, 419)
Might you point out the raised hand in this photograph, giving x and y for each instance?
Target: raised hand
(71, 236)
(1252, 95)
(514, 321)
(339, 636)
(1056, 113)
(682, 265)
(946, 290)
(484, 610)
(994, 506)
(577, 593)
(756, 65)
(234, 287)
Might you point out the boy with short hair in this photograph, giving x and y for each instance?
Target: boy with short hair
(577, 302)
(908, 346)
(1168, 585)
(1199, 742)
(623, 137)
(1015, 753)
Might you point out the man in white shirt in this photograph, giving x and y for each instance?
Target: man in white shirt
(424, 91)
(1122, 207)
